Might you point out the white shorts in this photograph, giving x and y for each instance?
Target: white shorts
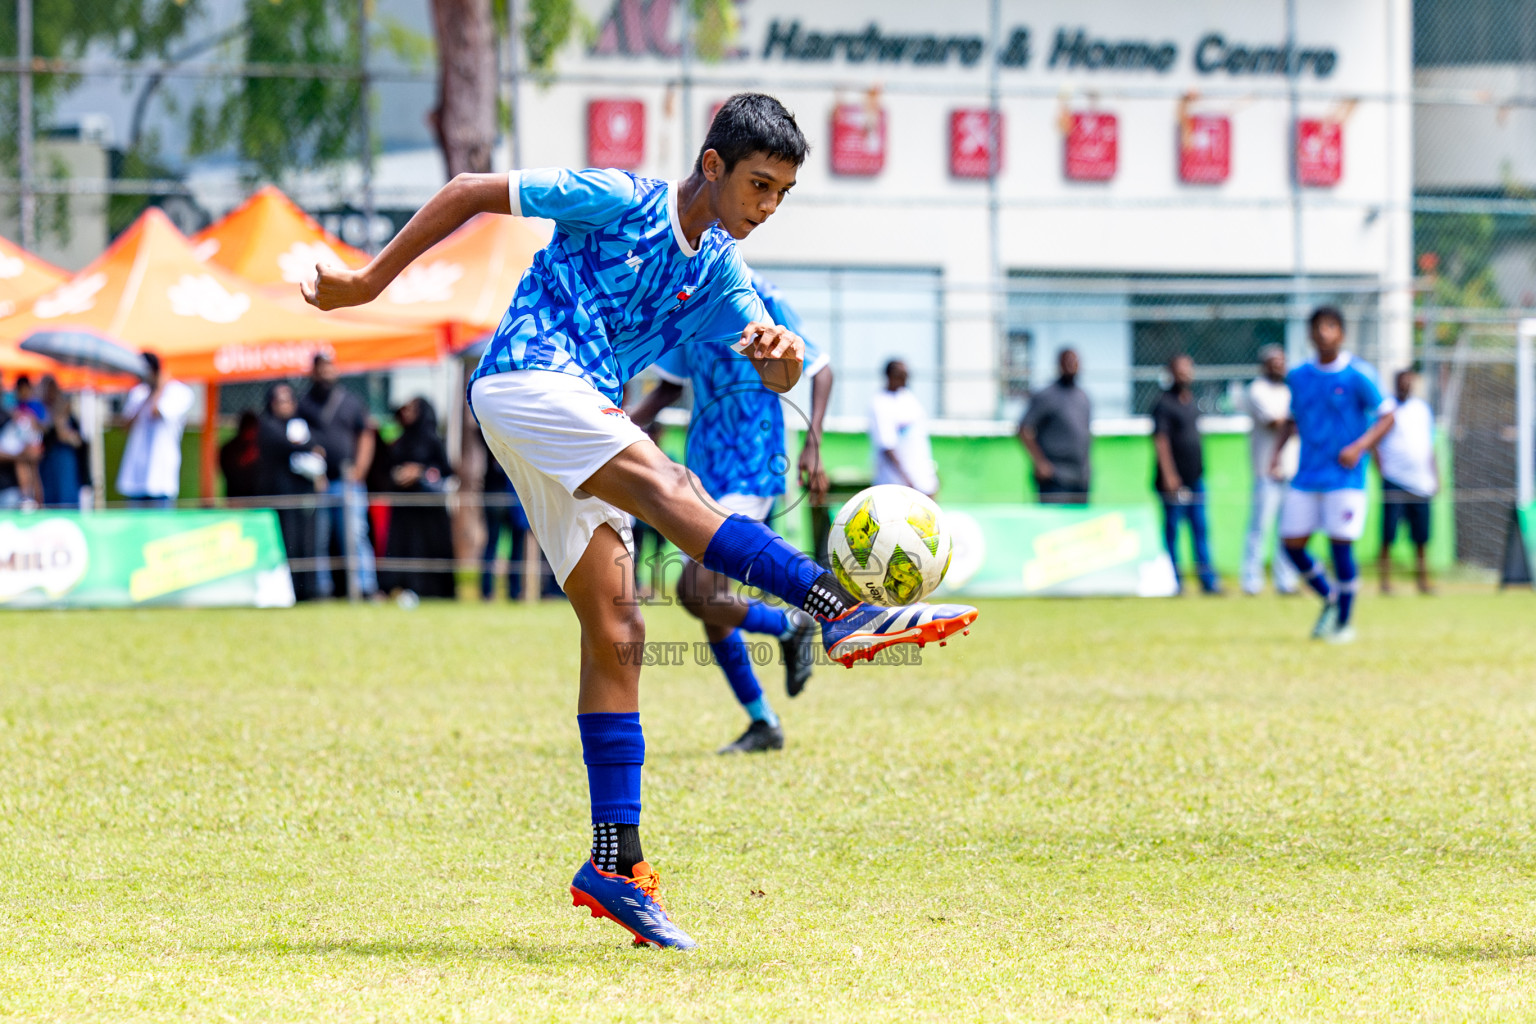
(753, 506)
(1339, 514)
(551, 431)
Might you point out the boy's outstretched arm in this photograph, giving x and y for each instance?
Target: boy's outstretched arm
(453, 205)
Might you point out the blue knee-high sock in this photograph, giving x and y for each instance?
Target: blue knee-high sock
(747, 551)
(765, 618)
(613, 747)
(1311, 572)
(735, 661)
(1345, 572)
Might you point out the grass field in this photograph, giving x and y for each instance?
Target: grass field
(1089, 810)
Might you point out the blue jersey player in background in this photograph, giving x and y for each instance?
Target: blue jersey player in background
(736, 448)
(636, 267)
(1338, 411)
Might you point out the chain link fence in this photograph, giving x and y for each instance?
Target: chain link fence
(191, 104)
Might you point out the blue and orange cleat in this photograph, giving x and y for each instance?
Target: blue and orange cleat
(865, 629)
(633, 903)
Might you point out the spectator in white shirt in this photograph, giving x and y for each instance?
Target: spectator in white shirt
(1410, 477)
(156, 412)
(1268, 401)
(898, 434)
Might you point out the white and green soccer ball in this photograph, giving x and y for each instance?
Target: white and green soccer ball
(890, 545)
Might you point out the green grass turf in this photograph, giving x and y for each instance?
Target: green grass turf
(1088, 810)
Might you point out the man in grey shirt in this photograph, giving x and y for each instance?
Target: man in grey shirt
(1056, 431)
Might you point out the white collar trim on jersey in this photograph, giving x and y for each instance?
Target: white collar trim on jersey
(677, 226)
(1335, 366)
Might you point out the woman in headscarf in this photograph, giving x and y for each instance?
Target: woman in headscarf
(66, 456)
(418, 465)
(290, 465)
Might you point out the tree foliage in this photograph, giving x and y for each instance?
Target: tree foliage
(277, 123)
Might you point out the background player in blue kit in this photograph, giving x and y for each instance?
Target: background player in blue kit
(636, 266)
(736, 448)
(1338, 411)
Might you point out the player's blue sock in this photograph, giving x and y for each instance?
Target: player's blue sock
(1344, 570)
(1311, 572)
(613, 747)
(736, 662)
(763, 617)
(746, 550)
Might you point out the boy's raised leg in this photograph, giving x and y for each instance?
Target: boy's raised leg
(644, 482)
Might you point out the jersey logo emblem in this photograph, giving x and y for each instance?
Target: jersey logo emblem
(633, 263)
(682, 297)
(612, 410)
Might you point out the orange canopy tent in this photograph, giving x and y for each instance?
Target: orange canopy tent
(269, 240)
(23, 277)
(150, 290)
(461, 286)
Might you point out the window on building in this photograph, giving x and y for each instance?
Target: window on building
(864, 317)
(1125, 329)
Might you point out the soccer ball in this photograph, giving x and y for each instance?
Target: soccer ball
(890, 545)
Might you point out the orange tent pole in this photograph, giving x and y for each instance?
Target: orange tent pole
(209, 463)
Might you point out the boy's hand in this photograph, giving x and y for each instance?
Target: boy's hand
(761, 342)
(335, 287)
(777, 352)
(1349, 456)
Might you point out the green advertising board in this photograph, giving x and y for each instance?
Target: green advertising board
(143, 558)
(1057, 551)
(1520, 548)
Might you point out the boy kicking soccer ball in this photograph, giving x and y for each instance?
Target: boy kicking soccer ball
(736, 449)
(1333, 403)
(636, 267)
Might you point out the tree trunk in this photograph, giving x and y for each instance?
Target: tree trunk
(465, 118)
(465, 124)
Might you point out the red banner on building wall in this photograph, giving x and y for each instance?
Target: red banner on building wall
(975, 143)
(615, 133)
(1319, 152)
(1205, 149)
(1093, 146)
(858, 139)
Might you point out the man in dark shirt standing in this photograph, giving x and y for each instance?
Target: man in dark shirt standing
(1180, 471)
(339, 423)
(1057, 432)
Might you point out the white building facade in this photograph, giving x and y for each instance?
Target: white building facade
(1170, 176)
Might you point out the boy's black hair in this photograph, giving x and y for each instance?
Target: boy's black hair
(753, 122)
(152, 361)
(1322, 313)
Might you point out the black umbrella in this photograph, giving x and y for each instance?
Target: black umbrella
(86, 350)
(98, 355)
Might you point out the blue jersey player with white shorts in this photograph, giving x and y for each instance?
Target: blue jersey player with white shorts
(736, 449)
(1339, 413)
(636, 267)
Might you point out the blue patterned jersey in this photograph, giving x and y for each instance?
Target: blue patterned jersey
(618, 285)
(1332, 407)
(736, 435)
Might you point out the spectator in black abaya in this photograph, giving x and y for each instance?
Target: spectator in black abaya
(290, 464)
(240, 459)
(419, 529)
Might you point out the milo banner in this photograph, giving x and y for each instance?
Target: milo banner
(1057, 551)
(142, 558)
